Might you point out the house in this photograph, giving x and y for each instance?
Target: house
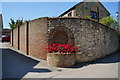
(6, 31)
(3, 31)
(93, 9)
(1, 21)
(1, 25)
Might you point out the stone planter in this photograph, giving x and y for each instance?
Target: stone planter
(61, 60)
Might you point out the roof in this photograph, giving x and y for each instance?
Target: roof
(80, 4)
(71, 8)
(104, 8)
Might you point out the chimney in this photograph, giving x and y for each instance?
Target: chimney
(90, 0)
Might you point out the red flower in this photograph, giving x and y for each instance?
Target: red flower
(53, 44)
(70, 45)
(66, 48)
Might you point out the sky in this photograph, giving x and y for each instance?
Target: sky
(33, 10)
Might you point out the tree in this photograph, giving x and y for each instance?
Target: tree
(16, 23)
(110, 22)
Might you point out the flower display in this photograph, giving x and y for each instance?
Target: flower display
(62, 48)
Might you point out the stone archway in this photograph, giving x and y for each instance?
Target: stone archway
(61, 35)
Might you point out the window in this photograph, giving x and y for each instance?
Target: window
(93, 14)
(70, 14)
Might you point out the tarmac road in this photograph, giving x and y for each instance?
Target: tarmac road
(17, 65)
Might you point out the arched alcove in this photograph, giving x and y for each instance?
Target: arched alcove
(61, 35)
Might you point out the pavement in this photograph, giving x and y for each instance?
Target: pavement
(17, 65)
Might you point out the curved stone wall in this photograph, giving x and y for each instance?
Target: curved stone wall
(93, 40)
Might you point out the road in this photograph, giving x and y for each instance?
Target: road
(17, 65)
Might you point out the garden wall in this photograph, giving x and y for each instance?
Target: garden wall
(23, 37)
(15, 38)
(38, 38)
(93, 39)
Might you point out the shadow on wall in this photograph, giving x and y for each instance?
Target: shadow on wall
(16, 65)
(113, 58)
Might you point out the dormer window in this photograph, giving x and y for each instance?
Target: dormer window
(70, 14)
(93, 14)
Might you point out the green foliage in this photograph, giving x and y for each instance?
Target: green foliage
(110, 22)
(16, 23)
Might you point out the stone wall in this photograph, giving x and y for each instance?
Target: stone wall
(93, 40)
(96, 41)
